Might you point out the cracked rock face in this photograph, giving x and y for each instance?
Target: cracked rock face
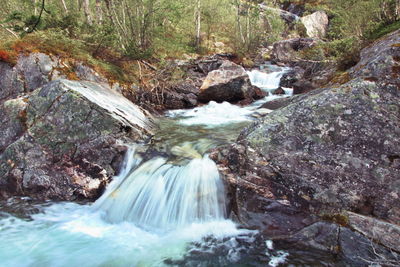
(327, 152)
(338, 149)
(380, 61)
(63, 141)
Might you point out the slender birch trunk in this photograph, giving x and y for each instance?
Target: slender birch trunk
(99, 12)
(64, 6)
(86, 10)
(198, 23)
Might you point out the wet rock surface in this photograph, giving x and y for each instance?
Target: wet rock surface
(380, 231)
(350, 248)
(230, 83)
(277, 103)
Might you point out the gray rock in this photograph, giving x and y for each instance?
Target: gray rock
(325, 150)
(36, 69)
(316, 24)
(286, 51)
(321, 235)
(228, 83)
(272, 218)
(12, 122)
(11, 84)
(302, 86)
(332, 149)
(385, 233)
(350, 247)
(380, 61)
(71, 141)
(85, 73)
(277, 103)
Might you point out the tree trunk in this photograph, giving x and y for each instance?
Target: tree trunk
(99, 12)
(113, 17)
(198, 23)
(35, 7)
(239, 23)
(248, 28)
(64, 6)
(86, 10)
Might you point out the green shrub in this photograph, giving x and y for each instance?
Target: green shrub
(315, 53)
(381, 30)
(345, 52)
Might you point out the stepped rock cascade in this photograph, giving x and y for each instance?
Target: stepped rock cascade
(268, 82)
(161, 195)
(166, 207)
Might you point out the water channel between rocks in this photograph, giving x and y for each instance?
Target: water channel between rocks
(168, 210)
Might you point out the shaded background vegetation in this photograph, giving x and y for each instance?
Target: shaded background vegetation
(99, 31)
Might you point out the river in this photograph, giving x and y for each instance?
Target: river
(166, 210)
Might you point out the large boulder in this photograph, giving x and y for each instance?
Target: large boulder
(316, 24)
(351, 248)
(64, 140)
(178, 84)
(286, 51)
(325, 154)
(37, 69)
(228, 83)
(333, 152)
(11, 84)
(380, 60)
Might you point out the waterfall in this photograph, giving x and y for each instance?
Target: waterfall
(268, 82)
(161, 195)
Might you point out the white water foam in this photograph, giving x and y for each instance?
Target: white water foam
(267, 82)
(215, 114)
(69, 234)
(152, 213)
(162, 196)
(212, 114)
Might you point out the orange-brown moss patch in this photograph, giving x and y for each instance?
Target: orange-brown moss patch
(340, 219)
(341, 78)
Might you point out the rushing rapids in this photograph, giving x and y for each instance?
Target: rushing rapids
(164, 196)
(159, 212)
(268, 82)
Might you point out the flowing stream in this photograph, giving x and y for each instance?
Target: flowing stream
(168, 210)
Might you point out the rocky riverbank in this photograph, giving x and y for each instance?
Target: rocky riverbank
(322, 170)
(332, 153)
(62, 139)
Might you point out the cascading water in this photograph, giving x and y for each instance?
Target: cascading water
(154, 213)
(165, 196)
(268, 82)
